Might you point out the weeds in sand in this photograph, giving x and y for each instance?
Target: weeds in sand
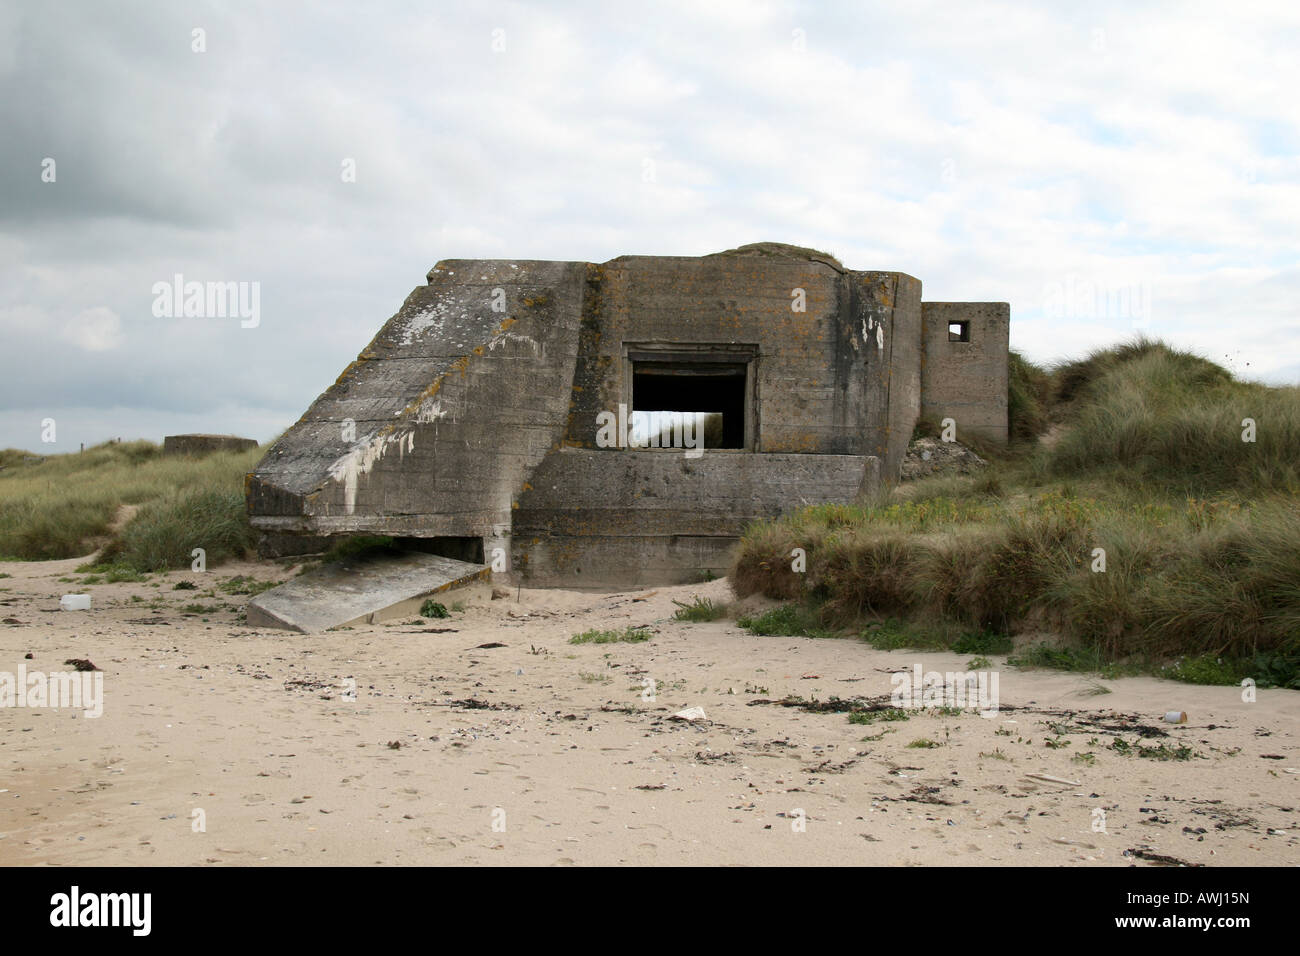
(245, 584)
(629, 635)
(1161, 751)
(433, 609)
(701, 609)
(111, 574)
(871, 716)
(590, 677)
(1094, 688)
(1203, 669)
(982, 642)
(995, 754)
(923, 743)
(978, 663)
(894, 635)
(788, 620)
(201, 608)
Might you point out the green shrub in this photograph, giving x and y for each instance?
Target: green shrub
(431, 608)
(788, 620)
(701, 609)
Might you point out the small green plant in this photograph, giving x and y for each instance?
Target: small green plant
(1161, 751)
(185, 586)
(894, 635)
(1203, 669)
(432, 608)
(788, 620)
(978, 663)
(590, 677)
(245, 584)
(982, 642)
(201, 608)
(701, 609)
(923, 743)
(629, 635)
(871, 716)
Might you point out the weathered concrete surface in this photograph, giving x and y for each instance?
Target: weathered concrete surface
(205, 444)
(383, 583)
(472, 397)
(967, 381)
(440, 420)
(595, 518)
(821, 382)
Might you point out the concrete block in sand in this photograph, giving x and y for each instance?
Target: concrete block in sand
(381, 583)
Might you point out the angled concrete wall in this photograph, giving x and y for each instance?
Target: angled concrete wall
(455, 401)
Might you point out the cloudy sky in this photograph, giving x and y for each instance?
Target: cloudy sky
(1107, 168)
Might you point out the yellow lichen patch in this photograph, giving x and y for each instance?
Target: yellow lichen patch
(352, 366)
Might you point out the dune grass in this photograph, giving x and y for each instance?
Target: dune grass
(1197, 528)
(63, 506)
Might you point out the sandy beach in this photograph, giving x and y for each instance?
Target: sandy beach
(486, 738)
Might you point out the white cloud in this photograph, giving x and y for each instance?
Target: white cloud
(94, 330)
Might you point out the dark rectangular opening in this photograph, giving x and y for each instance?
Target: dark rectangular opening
(462, 549)
(958, 331)
(714, 388)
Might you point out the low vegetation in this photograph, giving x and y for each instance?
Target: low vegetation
(701, 609)
(629, 635)
(64, 506)
(1145, 474)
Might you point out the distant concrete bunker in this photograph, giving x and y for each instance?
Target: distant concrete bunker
(619, 424)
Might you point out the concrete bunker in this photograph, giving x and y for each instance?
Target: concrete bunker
(530, 415)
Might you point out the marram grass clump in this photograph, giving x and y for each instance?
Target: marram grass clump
(1146, 528)
(64, 506)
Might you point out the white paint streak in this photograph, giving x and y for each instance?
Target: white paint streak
(502, 337)
(361, 459)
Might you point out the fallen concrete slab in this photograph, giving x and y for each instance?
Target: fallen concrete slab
(368, 587)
